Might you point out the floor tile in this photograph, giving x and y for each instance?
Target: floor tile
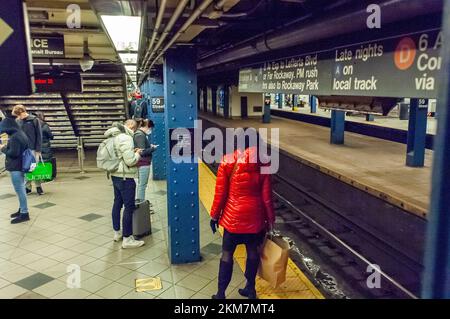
(34, 281)
(90, 217)
(137, 295)
(11, 291)
(31, 295)
(44, 205)
(114, 291)
(17, 274)
(177, 292)
(51, 289)
(193, 282)
(95, 283)
(212, 248)
(115, 272)
(6, 196)
(76, 293)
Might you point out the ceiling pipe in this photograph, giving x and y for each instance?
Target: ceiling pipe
(198, 11)
(330, 26)
(159, 17)
(177, 13)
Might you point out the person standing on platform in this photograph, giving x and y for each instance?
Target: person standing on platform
(243, 207)
(17, 144)
(32, 128)
(123, 181)
(47, 136)
(141, 141)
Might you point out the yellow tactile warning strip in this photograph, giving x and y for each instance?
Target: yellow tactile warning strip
(296, 286)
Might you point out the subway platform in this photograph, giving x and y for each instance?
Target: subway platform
(372, 165)
(71, 225)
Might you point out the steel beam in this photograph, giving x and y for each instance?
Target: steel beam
(417, 132)
(436, 280)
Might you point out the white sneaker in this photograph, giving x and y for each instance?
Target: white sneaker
(130, 242)
(117, 235)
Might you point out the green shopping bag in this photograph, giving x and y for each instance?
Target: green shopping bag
(42, 172)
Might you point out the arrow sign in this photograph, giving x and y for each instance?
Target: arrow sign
(5, 31)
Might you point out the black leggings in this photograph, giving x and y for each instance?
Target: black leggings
(231, 240)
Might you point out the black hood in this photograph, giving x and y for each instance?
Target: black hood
(9, 126)
(29, 118)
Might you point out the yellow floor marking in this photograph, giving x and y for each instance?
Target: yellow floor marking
(296, 286)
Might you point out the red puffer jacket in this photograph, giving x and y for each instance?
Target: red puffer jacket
(243, 199)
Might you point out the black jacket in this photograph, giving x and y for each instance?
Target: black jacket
(17, 144)
(141, 141)
(32, 128)
(47, 136)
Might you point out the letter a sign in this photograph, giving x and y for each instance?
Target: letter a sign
(15, 53)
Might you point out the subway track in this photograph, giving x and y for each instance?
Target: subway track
(336, 252)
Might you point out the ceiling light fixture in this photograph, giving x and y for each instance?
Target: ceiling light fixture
(124, 31)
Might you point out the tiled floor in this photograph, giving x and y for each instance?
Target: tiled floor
(70, 227)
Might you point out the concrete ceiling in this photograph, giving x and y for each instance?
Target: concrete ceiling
(51, 17)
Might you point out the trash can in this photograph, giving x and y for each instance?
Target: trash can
(403, 112)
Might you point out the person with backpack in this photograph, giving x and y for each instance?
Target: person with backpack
(139, 109)
(32, 128)
(118, 156)
(17, 145)
(141, 142)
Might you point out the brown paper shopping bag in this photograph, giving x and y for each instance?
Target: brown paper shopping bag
(274, 259)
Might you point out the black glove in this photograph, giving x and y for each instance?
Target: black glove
(214, 225)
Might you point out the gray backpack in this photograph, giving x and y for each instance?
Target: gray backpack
(107, 158)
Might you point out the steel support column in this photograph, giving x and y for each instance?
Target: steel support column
(180, 91)
(313, 103)
(417, 131)
(337, 127)
(436, 280)
(214, 100)
(226, 101)
(156, 110)
(280, 100)
(370, 117)
(266, 114)
(205, 99)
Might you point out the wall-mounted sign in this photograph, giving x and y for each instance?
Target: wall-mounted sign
(15, 56)
(57, 83)
(157, 103)
(403, 66)
(43, 46)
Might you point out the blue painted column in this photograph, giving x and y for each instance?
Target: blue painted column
(205, 99)
(294, 101)
(417, 131)
(370, 117)
(266, 114)
(156, 109)
(436, 280)
(226, 101)
(280, 100)
(313, 103)
(337, 127)
(214, 100)
(180, 91)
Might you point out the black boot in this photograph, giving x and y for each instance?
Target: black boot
(28, 190)
(251, 269)
(22, 218)
(39, 190)
(225, 272)
(16, 214)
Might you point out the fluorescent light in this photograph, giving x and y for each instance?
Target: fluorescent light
(131, 68)
(128, 58)
(124, 31)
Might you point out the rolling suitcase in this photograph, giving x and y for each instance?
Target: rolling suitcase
(141, 220)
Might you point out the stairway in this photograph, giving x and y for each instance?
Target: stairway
(74, 115)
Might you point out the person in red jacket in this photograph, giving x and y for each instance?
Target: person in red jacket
(243, 207)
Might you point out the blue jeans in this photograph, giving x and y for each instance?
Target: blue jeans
(143, 175)
(18, 181)
(124, 194)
